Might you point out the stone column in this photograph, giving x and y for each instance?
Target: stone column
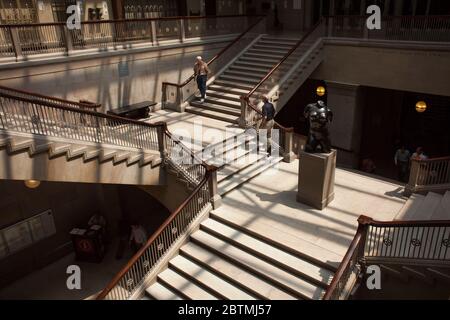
(346, 129)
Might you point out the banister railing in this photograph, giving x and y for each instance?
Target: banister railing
(429, 175)
(175, 95)
(397, 242)
(82, 104)
(21, 111)
(20, 40)
(51, 117)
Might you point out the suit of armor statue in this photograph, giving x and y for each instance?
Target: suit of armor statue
(319, 116)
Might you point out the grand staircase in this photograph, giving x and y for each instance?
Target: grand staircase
(224, 260)
(432, 206)
(238, 159)
(223, 95)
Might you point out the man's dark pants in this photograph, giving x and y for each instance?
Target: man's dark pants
(201, 83)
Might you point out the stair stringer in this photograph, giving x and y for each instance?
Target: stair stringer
(44, 150)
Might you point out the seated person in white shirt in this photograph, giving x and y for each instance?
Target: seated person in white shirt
(138, 236)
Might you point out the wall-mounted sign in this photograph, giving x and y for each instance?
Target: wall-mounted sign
(23, 234)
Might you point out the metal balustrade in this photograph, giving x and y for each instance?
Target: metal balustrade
(31, 113)
(398, 242)
(33, 39)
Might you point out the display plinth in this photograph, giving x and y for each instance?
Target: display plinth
(316, 179)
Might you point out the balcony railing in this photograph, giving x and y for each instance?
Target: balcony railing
(429, 175)
(399, 28)
(399, 242)
(33, 39)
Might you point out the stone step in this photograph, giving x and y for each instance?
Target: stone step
(247, 74)
(239, 165)
(282, 279)
(229, 157)
(443, 211)
(240, 80)
(232, 273)
(260, 71)
(394, 272)
(264, 54)
(239, 178)
(442, 274)
(224, 95)
(217, 108)
(269, 48)
(260, 58)
(299, 267)
(218, 88)
(183, 287)
(232, 85)
(411, 206)
(213, 114)
(263, 230)
(275, 42)
(159, 292)
(254, 64)
(427, 207)
(227, 147)
(224, 101)
(206, 279)
(417, 274)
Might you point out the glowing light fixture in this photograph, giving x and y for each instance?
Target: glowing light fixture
(32, 184)
(321, 91)
(421, 106)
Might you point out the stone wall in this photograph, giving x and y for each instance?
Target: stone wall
(112, 78)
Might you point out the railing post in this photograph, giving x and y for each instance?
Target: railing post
(68, 39)
(14, 34)
(215, 198)
(162, 139)
(182, 31)
(413, 176)
(154, 33)
(243, 118)
(288, 144)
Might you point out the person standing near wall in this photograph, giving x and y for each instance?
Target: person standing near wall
(201, 72)
(401, 161)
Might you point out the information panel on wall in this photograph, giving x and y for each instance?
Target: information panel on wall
(23, 234)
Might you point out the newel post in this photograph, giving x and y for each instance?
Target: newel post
(15, 41)
(243, 117)
(413, 177)
(162, 129)
(288, 144)
(215, 198)
(364, 223)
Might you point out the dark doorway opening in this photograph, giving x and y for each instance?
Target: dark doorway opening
(391, 120)
(210, 8)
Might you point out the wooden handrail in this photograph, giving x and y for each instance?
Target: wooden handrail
(221, 52)
(82, 111)
(431, 159)
(81, 103)
(155, 235)
(286, 56)
(126, 20)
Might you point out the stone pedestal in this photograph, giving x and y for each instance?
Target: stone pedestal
(316, 178)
